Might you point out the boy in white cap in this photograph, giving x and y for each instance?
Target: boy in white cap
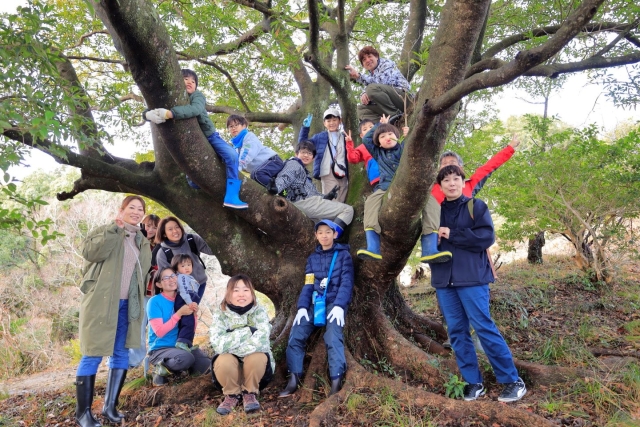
(330, 164)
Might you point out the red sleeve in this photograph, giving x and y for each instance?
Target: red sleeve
(476, 181)
(353, 154)
(161, 329)
(436, 192)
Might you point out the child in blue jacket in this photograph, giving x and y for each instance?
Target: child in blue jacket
(462, 287)
(339, 288)
(382, 143)
(261, 162)
(330, 165)
(197, 108)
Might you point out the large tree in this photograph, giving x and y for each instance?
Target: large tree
(76, 74)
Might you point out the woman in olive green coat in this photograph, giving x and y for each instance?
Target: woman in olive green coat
(117, 259)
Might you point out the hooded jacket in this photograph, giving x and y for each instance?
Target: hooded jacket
(468, 241)
(103, 252)
(341, 282)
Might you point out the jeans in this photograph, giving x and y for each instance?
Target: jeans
(270, 168)
(120, 357)
(226, 152)
(187, 323)
(333, 339)
(137, 355)
(470, 304)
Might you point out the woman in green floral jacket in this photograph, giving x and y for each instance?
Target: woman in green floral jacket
(240, 331)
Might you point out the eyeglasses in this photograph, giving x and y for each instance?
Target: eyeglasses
(173, 276)
(233, 126)
(305, 153)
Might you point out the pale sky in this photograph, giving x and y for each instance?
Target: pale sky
(578, 104)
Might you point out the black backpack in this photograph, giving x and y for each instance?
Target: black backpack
(194, 249)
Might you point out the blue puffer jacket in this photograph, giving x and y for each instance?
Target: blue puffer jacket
(341, 282)
(388, 159)
(468, 242)
(320, 140)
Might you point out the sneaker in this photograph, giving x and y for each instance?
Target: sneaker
(230, 401)
(159, 380)
(513, 391)
(160, 375)
(250, 402)
(473, 391)
(183, 346)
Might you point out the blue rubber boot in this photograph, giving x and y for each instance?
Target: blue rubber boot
(232, 196)
(430, 252)
(373, 246)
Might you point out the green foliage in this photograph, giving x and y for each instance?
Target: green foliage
(569, 181)
(382, 366)
(15, 325)
(72, 349)
(454, 387)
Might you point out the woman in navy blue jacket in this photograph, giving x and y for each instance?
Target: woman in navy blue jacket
(462, 286)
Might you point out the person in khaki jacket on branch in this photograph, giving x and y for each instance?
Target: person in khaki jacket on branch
(117, 259)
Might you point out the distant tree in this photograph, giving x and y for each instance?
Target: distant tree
(579, 186)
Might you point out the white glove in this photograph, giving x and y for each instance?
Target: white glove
(302, 312)
(153, 117)
(163, 113)
(337, 314)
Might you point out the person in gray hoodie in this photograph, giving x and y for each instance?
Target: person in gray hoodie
(261, 162)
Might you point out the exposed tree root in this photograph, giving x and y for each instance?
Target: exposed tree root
(317, 366)
(608, 352)
(549, 375)
(404, 354)
(188, 391)
(487, 412)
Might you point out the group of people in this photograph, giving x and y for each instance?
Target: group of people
(119, 299)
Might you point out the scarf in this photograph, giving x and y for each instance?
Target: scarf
(240, 310)
(237, 140)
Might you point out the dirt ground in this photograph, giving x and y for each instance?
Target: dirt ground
(553, 324)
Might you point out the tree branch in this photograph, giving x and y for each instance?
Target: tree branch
(109, 167)
(262, 117)
(523, 61)
(93, 58)
(620, 36)
(81, 107)
(554, 70)
(593, 27)
(409, 55)
(86, 36)
(360, 8)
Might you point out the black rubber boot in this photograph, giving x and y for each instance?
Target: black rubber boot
(115, 381)
(336, 385)
(84, 399)
(291, 387)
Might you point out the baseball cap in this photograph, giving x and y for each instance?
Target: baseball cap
(332, 111)
(332, 225)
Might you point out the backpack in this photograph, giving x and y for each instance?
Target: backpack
(169, 254)
(192, 245)
(493, 268)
